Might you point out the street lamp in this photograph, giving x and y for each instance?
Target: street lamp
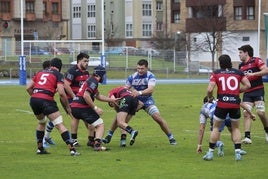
(174, 50)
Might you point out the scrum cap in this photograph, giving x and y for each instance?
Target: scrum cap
(100, 71)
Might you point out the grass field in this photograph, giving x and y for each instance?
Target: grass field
(150, 157)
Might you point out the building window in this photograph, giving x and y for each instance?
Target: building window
(176, 16)
(55, 8)
(30, 7)
(250, 13)
(146, 30)
(245, 39)
(91, 10)
(5, 7)
(147, 8)
(129, 30)
(159, 26)
(205, 11)
(44, 8)
(176, 1)
(77, 12)
(91, 31)
(238, 13)
(159, 5)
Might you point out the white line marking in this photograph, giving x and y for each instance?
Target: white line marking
(25, 111)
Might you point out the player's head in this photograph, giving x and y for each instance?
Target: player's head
(80, 56)
(46, 64)
(82, 61)
(248, 49)
(99, 71)
(207, 99)
(56, 62)
(142, 67)
(225, 61)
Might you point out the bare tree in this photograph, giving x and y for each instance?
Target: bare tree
(208, 24)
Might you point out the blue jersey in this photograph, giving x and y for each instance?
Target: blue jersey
(207, 111)
(141, 83)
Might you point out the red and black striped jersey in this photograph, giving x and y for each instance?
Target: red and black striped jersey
(76, 77)
(253, 65)
(45, 83)
(119, 92)
(228, 83)
(91, 86)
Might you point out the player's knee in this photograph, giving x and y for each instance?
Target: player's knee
(97, 122)
(152, 110)
(57, 121)
(42, 121)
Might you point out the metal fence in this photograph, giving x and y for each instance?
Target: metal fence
(165, 63)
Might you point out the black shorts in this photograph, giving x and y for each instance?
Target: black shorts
(88, 115)
(234, 113)
(128, 104)
(44, 106)
(256, 95)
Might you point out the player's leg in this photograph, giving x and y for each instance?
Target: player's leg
(260, 110)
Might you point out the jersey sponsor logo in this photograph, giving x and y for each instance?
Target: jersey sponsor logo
(227, 98)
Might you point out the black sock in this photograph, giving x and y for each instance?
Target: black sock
(266, 129)
(74, 136)
(39, 136)
(237, 146)
(66, 138)
(129, 129)
(212, 145)
(123, 136)
(247, 134)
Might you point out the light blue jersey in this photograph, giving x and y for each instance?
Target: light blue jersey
(141, 83)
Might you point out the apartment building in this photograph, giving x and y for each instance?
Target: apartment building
(43, 20)
(140, 23)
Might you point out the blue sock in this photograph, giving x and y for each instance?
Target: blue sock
(110, 133)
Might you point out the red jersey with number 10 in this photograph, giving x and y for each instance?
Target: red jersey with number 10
(228, 83)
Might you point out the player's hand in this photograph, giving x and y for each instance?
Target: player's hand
(253, 117)
(199, 149)
(99, 111)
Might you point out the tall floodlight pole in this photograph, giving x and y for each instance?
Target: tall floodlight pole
(22, 58)
(103, 57)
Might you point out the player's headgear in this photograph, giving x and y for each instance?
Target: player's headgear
(56, 62)
(100, 71)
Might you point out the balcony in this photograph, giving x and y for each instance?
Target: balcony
(56, 18)
(205, 24)
(6, 16)
(30, 17)
(192, 3)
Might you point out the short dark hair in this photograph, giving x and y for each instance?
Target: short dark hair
(56, 62)
(80, 56)
(225, 61)
(46, 64)
(143, 62)
(247, 48)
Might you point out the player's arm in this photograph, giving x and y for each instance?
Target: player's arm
(246, 85)
(263, 71)
(210, 89)
(63, 98)
(68, 89)
(29, 88)
(202, 127)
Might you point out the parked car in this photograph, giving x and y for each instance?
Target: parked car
(36, 50)
(93, 62)
(61, 51)
(147, 51)
(113, 51)
(201, 69)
